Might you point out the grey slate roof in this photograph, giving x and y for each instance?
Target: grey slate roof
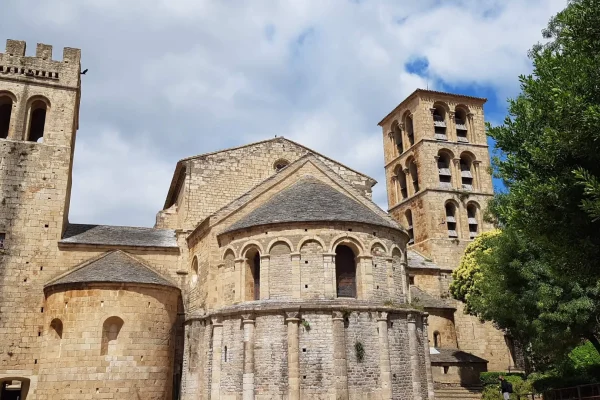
(119, 236)
(113, 267)
(422, 298)
(310, 200)
(416, 260)
(455, 356)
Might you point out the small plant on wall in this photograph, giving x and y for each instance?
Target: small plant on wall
(306, 325)
(360, 351)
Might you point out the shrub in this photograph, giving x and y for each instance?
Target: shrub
(491, 378)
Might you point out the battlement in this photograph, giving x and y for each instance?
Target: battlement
(41, 68)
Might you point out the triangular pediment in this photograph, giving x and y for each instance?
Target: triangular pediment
(291, 190)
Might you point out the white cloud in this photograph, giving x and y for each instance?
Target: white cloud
(172, 78)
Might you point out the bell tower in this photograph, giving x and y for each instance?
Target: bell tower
(437, 171)
(39, 109)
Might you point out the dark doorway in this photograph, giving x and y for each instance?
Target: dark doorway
(5, 111)
(252, 283)
(11, 390)
(345, 272)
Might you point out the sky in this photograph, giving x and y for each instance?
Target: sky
(170, 79)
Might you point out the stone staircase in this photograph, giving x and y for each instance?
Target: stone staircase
(472, 392)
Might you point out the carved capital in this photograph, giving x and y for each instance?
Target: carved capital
(295, 256)
(381, 315)
(406, 171)
(390, 134)
(394, 178)
(470, 114)
(432, 109)
(265, 257)
(337, 315)
(411, 318)
(216, 321)
(248, 318)
(401, 126)
(292, 316)
(425, 318)
(451, 113)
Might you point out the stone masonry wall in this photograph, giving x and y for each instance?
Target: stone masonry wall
(363, 376)
(143, 351)
(400, 358)
(270, 355)
(316, 356)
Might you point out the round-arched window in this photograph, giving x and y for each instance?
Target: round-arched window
(194, 277)
(280, 164)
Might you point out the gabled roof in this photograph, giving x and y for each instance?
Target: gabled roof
(424, 299)
(180, 167)
(310, 200)
(454, 356)
(119, 236)
(113, 267)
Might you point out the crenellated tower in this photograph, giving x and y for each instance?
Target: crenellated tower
(39, 108)
(437, 171)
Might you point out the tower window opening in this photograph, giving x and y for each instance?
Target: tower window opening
(451, 220)
(409, 227)
(401, 179)
(397, 138)
(439, 123)
(253, 275)
(460, 119)
(473, 220)
(414, 176)
(6, 106)
(437, 340)
(408, 125)
(466, 174)
(444, 172)
(345, 272)
(37, 121)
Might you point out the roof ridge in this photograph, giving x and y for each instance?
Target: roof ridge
(124, 226)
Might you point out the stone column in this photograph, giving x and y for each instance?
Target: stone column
(217, 341)
(410, 189)
(384, 355)
(451, 127)
(239, 283)
(329, 272)
(364, 275)
(296, 283)
(248, 377)
(242, 276)
(471, 134)
(340, 366)
(430, 390)
(292, 319)
(413, 351)
(265, 261)
(456, 173)
(477, 176)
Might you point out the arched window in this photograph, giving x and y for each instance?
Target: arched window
(451, 220)
(409, 227)
(460, 119)
(56, 328)
(194, 277)
(408, 125)
(444, 170)
(466, 172)
(439, 122)
(6, 105)
(252, 275)
(437, 340)
(37, 121)
(345, 271)
(110, 334)
(401, 182)
(414, 176)
(397, 137)
(280, 164)
(473, 217)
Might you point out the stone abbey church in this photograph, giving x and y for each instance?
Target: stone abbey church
(269, 274)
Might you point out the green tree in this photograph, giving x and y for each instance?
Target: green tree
(540, 278)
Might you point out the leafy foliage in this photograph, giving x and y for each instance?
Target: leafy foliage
(539, 278)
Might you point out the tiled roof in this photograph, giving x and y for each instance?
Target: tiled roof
(424, 299)
(119, 236)
(454, 356)
(113, 267)
(417, 260)
(310, 200)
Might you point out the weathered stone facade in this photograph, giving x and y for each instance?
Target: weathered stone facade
(438, 178)
(270, 273)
